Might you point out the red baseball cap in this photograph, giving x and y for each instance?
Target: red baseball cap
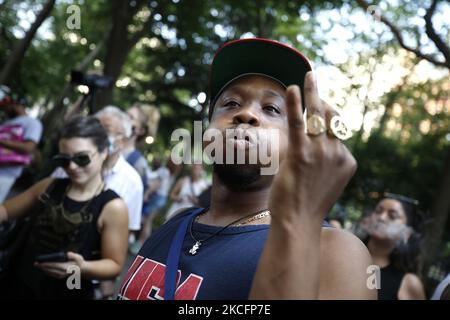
(273, 59)
(5, 96)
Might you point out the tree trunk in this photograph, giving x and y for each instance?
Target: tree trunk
(17, 55)
(440, 210)
(114, 60)
(264, 22)
(119, 45)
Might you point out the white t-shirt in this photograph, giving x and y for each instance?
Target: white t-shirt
(165, 179)
(33, 132)
(124, 180)
(188, 188)
(440, 288)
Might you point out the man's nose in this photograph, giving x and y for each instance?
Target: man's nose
(246, 115)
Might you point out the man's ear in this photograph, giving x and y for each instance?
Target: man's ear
(143, 131)
(104, 154)
(120, 143)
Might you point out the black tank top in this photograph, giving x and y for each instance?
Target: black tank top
(391, 279)
(61, 224)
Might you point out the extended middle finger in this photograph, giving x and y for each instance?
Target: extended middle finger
(312, 101)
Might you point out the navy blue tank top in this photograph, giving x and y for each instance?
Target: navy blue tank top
(223, 267)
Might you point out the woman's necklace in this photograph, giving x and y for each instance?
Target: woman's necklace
(84, 207)
(251, 217)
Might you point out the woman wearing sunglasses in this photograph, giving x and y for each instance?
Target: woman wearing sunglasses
(78, 229)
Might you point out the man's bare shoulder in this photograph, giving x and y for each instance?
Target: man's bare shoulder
(339, 239)
(344, 265)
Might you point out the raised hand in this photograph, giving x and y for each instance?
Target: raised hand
(317, 166)
(313, 174)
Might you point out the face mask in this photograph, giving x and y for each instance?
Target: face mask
(111, 147)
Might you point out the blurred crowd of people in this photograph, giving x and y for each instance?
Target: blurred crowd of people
(101, 189)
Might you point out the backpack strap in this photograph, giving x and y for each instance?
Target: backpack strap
(133, 157)
(173, 258)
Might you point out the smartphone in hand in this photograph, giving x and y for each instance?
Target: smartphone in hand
(52, 257)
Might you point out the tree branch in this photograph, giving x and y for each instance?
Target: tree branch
(363, 4)
(16, 56)
(432, 34)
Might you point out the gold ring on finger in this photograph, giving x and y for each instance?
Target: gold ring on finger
(315, 125)
(338, 128)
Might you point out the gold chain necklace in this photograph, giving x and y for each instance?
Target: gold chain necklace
(254, 216)
(258, 216)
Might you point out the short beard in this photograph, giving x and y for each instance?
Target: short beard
(238, 177)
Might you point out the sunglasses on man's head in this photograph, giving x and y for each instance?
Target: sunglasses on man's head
(63, 160)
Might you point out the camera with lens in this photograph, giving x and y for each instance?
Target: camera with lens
(93, 81)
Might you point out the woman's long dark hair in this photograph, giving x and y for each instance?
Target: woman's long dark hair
(406, 256)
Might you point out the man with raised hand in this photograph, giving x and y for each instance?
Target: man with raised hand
(263, 237)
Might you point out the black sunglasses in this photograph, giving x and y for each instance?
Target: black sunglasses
(63, 160)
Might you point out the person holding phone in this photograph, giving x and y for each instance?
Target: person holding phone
(77, 227)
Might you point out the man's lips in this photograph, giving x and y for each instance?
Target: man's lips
(242, 139)
(242, 136)
(241, 143)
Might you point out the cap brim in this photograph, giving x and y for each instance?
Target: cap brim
(256, 56)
